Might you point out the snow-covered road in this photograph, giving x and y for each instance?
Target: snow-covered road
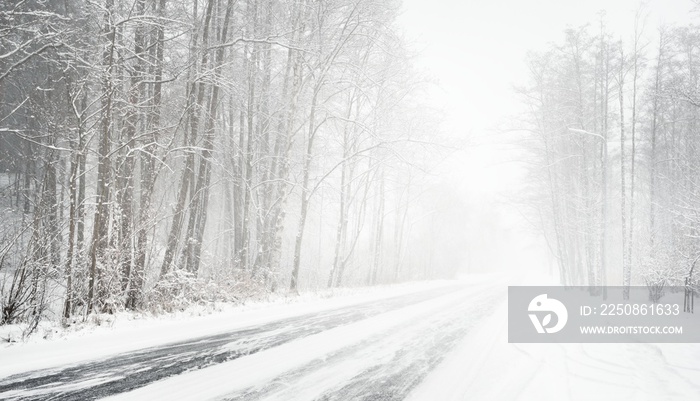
(443, 341)
(375, 350)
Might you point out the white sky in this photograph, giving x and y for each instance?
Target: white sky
(476, 50)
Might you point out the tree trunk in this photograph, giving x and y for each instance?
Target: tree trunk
(305, 194)
(626, 268)
(101, 220)
(126, 199)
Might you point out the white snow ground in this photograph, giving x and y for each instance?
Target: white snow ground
(485, 367)
(452, 346)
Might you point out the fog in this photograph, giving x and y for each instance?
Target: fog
(475, 53)
(298, 151)
(349, 199)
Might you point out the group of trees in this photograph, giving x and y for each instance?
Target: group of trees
(153, 151)
(615, 153)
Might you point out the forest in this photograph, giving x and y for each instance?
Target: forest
(613, 153)
(155, 154)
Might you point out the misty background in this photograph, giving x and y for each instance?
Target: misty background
(155, 154)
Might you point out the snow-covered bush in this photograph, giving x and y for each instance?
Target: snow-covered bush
(179, 289)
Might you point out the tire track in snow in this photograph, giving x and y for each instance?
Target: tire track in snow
(385, 367)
